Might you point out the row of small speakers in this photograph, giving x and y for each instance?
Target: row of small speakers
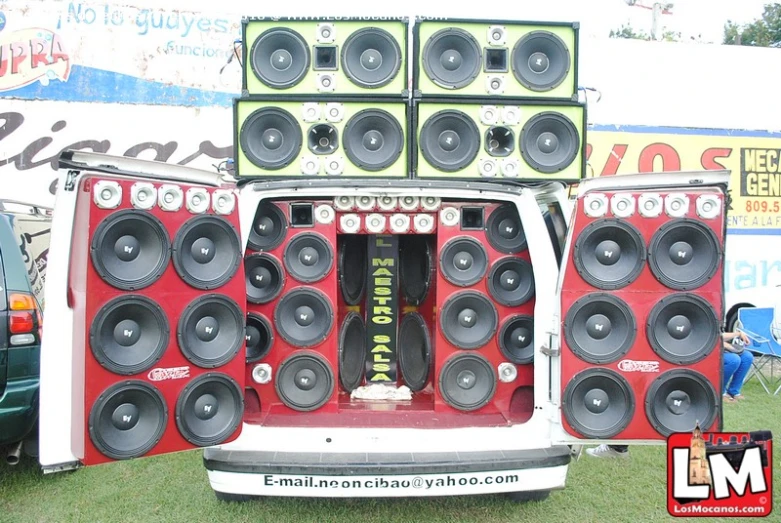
(650, 205)
(144, 196)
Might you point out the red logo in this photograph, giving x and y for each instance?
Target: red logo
(719, 474)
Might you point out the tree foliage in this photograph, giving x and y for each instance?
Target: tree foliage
(629, 32)
(762, 32)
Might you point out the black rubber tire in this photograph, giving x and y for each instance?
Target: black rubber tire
(527, 496)
(233, 498)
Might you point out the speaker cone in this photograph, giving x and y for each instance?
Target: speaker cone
(516, 339)
(304, 317)
(264, 278)
(130, 249)
(129, 334)
(598, 403)
(467, 381)
(271, 138)
(371, 57)
(211, 330)
(683, 328)
(503, 230)
(600, 328)
(305, 382)
(352, 267)
(451, 58)
(449, 140)
(549, 142)
(373, 139)
(679, 399)
(207, 252)
(463, 261)
(259, 337)
(128, 420)
(540, 61)
(323, 139)
(684, 254)
(415, 267)
(414, 351)
(352, 351)
(468, 320)
(609, 254)
(268, 228)
(499, 141)
(511, 281)
(308, 257)
(209, 409)
(279, 58)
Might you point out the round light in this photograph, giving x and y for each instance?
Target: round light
(223, 201)
(325, 214)
(430, 203)
(708, 206)
(365, 203)
(108, 195)
(595, 205)
(511, 115)
(409, 203)
(449, 216)
(311, 112)
(334, 112)
(676, 205)
(350, 223)
(650, 205)
(489, 114)
(510, 168)
(507, 372)
(261, 373)
(143, 195)
(423, 223)
(310, 165)
(170, 197)
(622, 205)
(387, 203)
(399, 223)
(375, 223)
(488, 168)
(344, 203)
(334, 165)
(197, 200)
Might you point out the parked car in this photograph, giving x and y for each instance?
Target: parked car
(24, 231)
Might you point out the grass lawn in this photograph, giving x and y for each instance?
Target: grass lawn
(175, 488)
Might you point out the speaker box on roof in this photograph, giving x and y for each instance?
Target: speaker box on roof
(345, 137)
(497, 58)
(498, 139)
(360, 56)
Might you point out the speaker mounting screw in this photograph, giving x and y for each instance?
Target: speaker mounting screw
(449, 216)
(489, 114)
(325, 214)
(108, 195)
(507, 372)
(497, 35)
(409, 203)
(375, 223)
(262, 373)
(350, 223)
(143, 195)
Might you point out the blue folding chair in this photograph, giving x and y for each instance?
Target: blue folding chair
(759, 325)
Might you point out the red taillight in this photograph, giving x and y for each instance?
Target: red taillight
(25, 317)
(21, 323)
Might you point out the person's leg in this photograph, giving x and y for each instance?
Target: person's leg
(731, 363)
(620, 448)
(744, 365)
(608, 451)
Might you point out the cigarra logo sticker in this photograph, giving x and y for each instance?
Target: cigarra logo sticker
(638, 366)
(174, 373)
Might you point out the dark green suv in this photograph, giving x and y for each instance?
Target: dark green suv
(24, 238)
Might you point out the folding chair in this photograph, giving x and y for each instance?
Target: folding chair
(759, 325)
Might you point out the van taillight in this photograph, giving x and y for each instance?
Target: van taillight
(24, 319)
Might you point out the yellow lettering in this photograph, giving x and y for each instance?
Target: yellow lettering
(762, 185)
(383, 310)
(382, 262)
(382, 281)
(382, 320)
(381, 348)
(383, 291)
(760, 160)
(751, 184)
(380, 377)
(381, 242)
(381, 367)
(772, 161)
(381, 338)
(749, 160)
(379, 359)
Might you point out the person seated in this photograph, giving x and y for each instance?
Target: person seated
(737, 362)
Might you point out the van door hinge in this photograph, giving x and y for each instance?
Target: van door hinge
(70, 180)
(549, 348)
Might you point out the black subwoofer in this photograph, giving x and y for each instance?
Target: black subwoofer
(684, 254)
(211, 330)
(130, 249)
(415, 267)
(449, 140)
(598, 403)
(414, 351)
(353, 267)
(600, 328)
(610, 254)
(259, 337)
(683, 328)
(463, 261)
(504, 231)
(308, 257)
(305, 382)
(373, 139)
(467, 381)
(516, 339)
(271, 138)
(549, 142)
(279, 58)
(371, 57)
(209, 409)
(680, 399)
(304, 317)
(269, 227)
(468, 320)
(452, 58)
(352, 351)
(511, 281)
(540, 61)
(207, 252)
(264, 277)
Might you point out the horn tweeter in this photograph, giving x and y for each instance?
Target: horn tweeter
(598, 403)
(130, 249)
(129, 334)
(279, 58)
(449, 140)
(467, 382)
(683, 328)
(504, 230)
(259, 337)
(463, 261)
(680, 399)
(468, 320)
(373, 139)
(540, 61)
(305, 382)
(308, 257)
(209, 409)
(207, 252)
(684, 254)
(415, 267)
(352, 351)
(128, 420)
(264, 278)
(516, 339)
(371, 57)
(609, 254)
(452, 58)
(211, 330)
(269, 228)
(549, 142)
(271, 138)
(304, 317)
(600, 328)
(414, 351)
(499, 141)
(323, 139)
(511, 281)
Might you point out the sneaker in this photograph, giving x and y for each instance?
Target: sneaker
(605, 451)
(739, 397)
(727, 398)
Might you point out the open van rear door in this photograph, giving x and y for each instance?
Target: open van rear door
(638, 354)
(144, 346)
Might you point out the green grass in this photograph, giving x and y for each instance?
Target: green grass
(175, 488)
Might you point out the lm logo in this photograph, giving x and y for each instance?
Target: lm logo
(719, 474)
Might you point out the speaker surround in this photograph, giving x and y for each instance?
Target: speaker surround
(467, 381)
(305, 381)
(463, 261)
(504, 230)
(600, 328)
(684, 254)
(211, 330)
(352, 351)
(610, 253)
(452, 58)
(269, 227)
(271, 138)
(414, 351)
(550, 142)
(259, 337)
(516, 339)
(308, 257)
(680, 399)
(304, 317)
(371, 57)
(598, 403)
(468, 320)
(449, 140)
(264, 277)
(373, 139)
(209, 409)
(511, 281)
(207, 252)
(541, 61)
(683, 328)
